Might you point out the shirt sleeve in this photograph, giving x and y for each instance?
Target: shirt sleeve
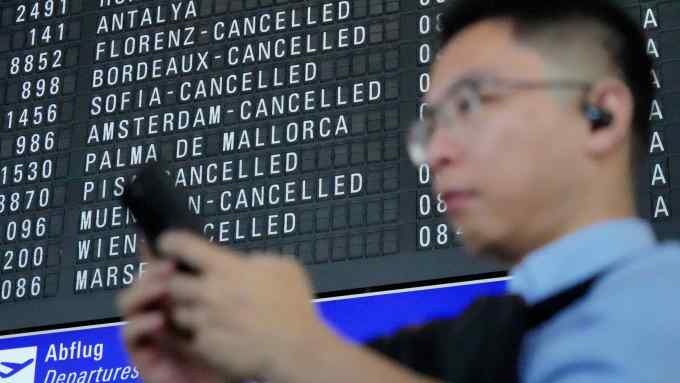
(629, 331)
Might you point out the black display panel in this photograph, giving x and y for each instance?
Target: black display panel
(283, 119)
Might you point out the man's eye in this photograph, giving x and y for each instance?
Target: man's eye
(463, 105)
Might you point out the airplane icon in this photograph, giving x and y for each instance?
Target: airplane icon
(14, 368)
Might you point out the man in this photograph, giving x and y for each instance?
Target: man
(538, 115)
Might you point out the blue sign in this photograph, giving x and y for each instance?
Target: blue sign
(96, 354)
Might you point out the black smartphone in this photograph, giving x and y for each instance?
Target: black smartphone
(157, 206)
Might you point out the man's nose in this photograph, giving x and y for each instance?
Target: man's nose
(443, 150)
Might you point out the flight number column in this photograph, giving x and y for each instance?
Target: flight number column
(37, 54)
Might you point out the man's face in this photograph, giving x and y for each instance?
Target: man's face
(506, 178)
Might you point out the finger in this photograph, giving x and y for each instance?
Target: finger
(175, 338)
(145, 355)
(156, 271)
(187, 318)
(184, 290)
(146, 252)
(196, 251)
(138, 298)
(153, 274)
(143, 327)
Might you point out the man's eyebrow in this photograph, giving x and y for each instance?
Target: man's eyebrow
(465, 76)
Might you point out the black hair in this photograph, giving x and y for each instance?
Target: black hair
(626, 43)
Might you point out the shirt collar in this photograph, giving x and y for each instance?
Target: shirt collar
(578, 256)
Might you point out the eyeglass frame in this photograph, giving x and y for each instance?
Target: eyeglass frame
(475, 84)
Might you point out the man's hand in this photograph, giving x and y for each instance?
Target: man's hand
(153, 345)
(250, 317)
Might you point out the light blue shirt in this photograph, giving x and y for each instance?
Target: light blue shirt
(627, 329)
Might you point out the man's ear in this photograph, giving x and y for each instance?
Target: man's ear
(613, 97)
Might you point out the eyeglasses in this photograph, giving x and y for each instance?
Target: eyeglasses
(461, 105)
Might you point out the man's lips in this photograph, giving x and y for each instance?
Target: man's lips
(457, 199)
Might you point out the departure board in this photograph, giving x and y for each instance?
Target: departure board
(283, 120)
